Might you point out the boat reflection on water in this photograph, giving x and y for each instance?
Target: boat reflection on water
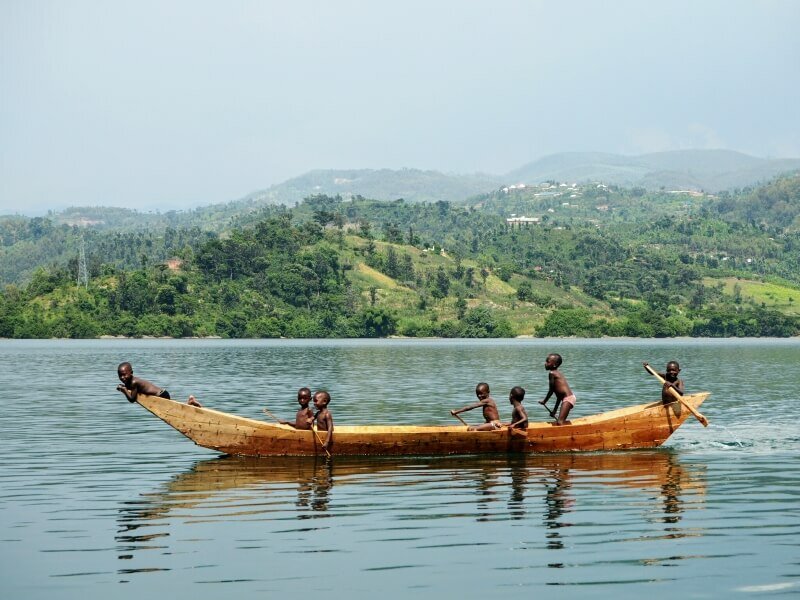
(538, 487)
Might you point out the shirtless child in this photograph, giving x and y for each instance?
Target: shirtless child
(490, 413)
(559, 387)
(323, 418)
(671, 380)
(304, 416)
(519, 418)
(132, 386)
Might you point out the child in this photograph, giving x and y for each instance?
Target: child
(559, 387)
(670, 381)
(304, 416)
(490, 413)
(131, 386)
(323, 418)
(519, 418)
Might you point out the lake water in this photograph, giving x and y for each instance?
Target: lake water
(100, 499)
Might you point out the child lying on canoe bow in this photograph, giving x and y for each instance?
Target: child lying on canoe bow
(132, 386)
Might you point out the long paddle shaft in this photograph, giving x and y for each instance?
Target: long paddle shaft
(675, 393)
(269, 414)
(556, 406)
(319, 439)
(460, 419)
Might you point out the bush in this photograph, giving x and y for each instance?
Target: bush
(570, 322)
(482, 322)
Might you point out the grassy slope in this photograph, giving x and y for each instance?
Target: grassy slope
(497, 294)
(784, 298)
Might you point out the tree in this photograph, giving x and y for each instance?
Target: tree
(377, 322)
(441, 283)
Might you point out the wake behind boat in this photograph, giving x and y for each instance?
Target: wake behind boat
(640, 426)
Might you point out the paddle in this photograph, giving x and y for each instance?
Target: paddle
(319, 439)
(269, 414)
(675, 393)
(459, 418)
(553, 412)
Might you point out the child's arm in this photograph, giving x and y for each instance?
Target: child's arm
(550, 390)
(677, 386)
(131, 394)
(647, 364)
(124, 390)
(466, 408)
(521, 416)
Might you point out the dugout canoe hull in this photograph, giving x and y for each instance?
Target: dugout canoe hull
(641, 426)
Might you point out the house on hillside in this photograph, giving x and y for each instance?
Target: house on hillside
(522, 221)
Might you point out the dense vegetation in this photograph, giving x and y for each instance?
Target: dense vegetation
(598, 260)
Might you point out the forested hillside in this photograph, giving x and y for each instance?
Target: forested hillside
(586, 260)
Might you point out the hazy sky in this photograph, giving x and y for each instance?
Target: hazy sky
(171, 104)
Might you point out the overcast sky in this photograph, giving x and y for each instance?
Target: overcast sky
(172, 104)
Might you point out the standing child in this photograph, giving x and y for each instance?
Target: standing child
(304, 416)
(519, 418)
(559, 387)
(323, 418)
(490, 413)
(132, 386)
(670, 381)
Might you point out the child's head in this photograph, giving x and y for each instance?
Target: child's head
(125, 372)
(321, 399)
(672, 370)
(552, 362)
(482, 390)
(303, 396)
(516, 394)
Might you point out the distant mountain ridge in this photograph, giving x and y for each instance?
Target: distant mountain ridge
(706, 170)
(414, 185)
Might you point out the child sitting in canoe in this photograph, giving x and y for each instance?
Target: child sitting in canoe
(323, 418)
(489, 406)
(559, 387)
(671, 380)
(519, 418)
(132, 386)
(304, 416)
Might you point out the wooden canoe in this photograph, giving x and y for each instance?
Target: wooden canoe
(641, 426)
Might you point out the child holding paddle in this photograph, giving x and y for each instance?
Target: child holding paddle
(559, 387)
(323, 418)
(304, 416)
(490, 412)
(670, 381)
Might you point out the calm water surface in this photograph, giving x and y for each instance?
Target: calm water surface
(99, 498)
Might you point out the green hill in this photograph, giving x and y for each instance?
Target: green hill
(608, 261)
